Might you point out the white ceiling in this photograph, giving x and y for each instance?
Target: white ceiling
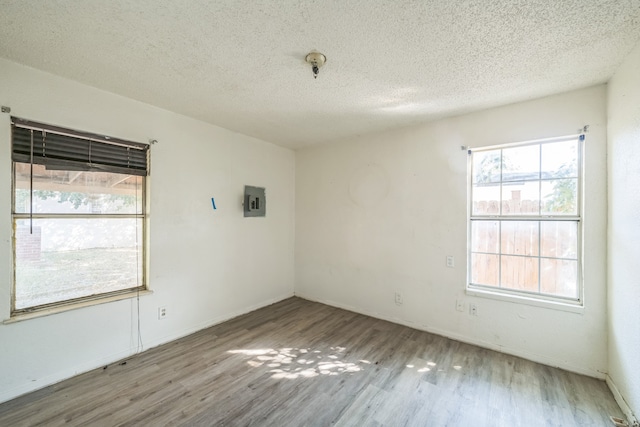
(240, 64)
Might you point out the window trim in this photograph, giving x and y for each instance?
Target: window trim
(514, 295)
(95, 299)
(69, 305)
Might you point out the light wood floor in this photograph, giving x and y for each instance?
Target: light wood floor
(298, 363)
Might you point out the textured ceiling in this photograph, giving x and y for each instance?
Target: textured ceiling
(391, 63)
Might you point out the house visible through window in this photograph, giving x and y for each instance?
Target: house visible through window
(78, 216)
(525, 225)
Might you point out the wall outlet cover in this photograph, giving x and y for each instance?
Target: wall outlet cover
(398, 298)
(473, 310)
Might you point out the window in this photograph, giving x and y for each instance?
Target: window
(78, 216)
(525, 226)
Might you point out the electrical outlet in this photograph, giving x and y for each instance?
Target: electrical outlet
(162, 313)
(460, 305)
(473, 310)
(450, 261)
(398, 298)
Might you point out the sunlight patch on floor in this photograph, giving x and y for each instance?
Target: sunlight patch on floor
(292, 363)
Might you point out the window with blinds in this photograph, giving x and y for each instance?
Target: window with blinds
(79, 216)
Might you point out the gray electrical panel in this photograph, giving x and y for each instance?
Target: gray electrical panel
(255, 202)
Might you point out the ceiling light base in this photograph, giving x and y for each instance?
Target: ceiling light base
(317, 60)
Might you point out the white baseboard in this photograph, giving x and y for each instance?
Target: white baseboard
(37, 384)
(6, 395)
(463, 338)
(631, 418)
(215, 321)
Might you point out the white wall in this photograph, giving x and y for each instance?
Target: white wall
(205, 265)
(378, 214)
(624, 231)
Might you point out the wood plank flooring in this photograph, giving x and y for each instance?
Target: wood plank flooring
(299, 363)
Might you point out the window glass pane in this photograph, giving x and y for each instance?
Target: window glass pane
(538, 255)
(484, 269)
(559, 239)
(559, 277)
(484, 236)
(519, 238)
(519, 273)
(560, 196)
(62, 191)
(521, 198)
(71, 258)
(486, 199)
(521, 163)
(560, 160)
(486, 166)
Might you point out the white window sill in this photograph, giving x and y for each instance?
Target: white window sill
(522, 299)
(72, 306)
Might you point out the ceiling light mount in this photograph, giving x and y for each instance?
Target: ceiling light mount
(317, 60)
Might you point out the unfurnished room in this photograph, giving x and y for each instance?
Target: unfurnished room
(320, 213)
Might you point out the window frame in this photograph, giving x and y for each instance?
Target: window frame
(142, 244)
(515, 295)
